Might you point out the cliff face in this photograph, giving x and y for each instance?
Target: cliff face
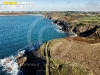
(53, 16)
(87, 30)
(31, 63)
(65, 26)
(96, 34)
(67, 56)
(80, 29)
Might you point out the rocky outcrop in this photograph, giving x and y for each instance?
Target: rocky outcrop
(65, 26)
(21, 61)
(79, 29)
(92, 31)
(85, 30)
(66, 56)
(47, 16)
(31, 63)
(96, 34)
(53, 16)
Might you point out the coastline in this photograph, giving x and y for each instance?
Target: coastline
(60, 29)
(66, 55)
(9, 63)
(65, 43)
(81, 29)
(65, 27)
(24, 15)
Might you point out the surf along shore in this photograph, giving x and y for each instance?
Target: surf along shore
(77, 55)
(72, 55)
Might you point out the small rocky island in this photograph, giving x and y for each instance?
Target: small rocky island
(79, 55)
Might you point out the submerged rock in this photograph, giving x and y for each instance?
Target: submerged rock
(9, 69)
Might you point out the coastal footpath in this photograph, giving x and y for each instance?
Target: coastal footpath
(77, 55)
(66, 56)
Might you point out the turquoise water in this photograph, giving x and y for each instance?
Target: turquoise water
(17, 32)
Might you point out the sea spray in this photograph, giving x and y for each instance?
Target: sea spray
(10, 65)
(14, 36)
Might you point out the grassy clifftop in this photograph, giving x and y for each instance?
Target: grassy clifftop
(72, 56)
(86, 24)
(76, 17)
(65, 56)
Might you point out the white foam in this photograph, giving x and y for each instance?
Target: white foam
(21, 52)
(10, 62)
(74, 35)
(60, 31)
(58, 28)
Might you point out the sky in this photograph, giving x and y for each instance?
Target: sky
(56, 5)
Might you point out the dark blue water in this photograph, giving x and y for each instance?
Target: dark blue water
(17, 32)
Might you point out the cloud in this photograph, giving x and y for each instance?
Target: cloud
(89, 6)
(68, 2)
(50, 2)
(93, 5)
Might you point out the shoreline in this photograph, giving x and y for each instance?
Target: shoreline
(24, 15)
(61, 30)
(58, 44)
(62, 27)
(81, 29)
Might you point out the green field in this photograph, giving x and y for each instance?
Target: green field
(90, 20)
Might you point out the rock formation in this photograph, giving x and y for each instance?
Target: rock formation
(67, 56)
(80, 29)
(31, 63)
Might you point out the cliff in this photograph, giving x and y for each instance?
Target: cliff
(66, 56)
(75, 25)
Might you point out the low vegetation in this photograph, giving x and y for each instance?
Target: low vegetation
(71, 56)
(77, 17)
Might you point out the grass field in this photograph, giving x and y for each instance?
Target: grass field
(94, 20)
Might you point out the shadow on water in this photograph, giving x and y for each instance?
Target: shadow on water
(3, 72)
(34, 65)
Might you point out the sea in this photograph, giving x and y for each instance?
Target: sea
(18, 33)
